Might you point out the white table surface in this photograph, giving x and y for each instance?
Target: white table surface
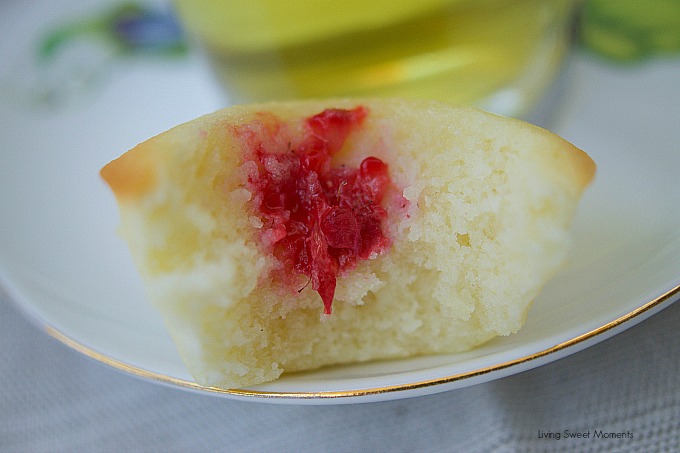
(54, 399)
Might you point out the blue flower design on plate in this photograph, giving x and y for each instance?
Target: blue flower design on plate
(72, 58)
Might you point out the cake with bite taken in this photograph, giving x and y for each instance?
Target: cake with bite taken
(290, 236)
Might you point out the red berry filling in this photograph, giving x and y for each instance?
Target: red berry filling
(319, 220)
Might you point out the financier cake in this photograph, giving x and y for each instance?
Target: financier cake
(288, 236)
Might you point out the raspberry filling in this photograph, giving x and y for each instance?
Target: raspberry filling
(319, 220)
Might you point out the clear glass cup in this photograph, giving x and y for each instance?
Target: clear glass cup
(496, 54)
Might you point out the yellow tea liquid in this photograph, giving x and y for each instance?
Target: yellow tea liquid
(498, 54)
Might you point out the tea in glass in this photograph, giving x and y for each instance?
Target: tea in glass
(496, 54)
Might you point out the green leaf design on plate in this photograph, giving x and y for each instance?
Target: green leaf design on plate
(631, 30)
(128, 28)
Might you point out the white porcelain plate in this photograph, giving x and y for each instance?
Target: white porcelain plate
(62, 263)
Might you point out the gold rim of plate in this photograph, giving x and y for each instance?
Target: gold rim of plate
(363, 392)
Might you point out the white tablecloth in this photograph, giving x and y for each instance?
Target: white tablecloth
(53, 399)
